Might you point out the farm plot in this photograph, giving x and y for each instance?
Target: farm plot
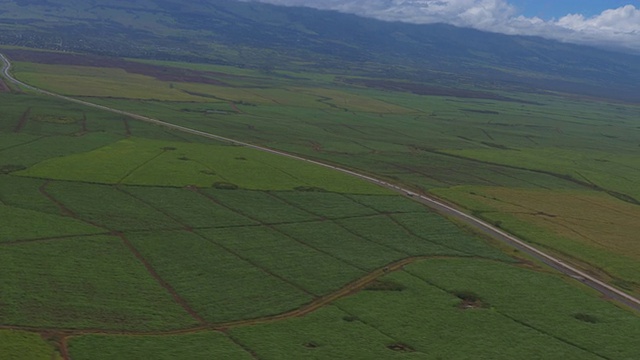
(339, 242)
(293, 260)
(573, 317)
(616, 171)
(325, 205)
(117, 211)
(20, 345)
(45, 148)
(388, 204)
(151, 162)
(592, 227)
(24, 193)
(454, 308)
(384, 230)
(469, 312)
(8, 140)
(435, 229)
(29, 224)
(258, 205)
(83, 283)
(200, 346)
(98, 82)
(188, 207)
(220, 283)
(329, 333)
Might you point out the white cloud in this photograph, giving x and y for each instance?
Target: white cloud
(615, 28)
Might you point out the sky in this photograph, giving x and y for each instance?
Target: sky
(604, 23)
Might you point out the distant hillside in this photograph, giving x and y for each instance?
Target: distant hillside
(267, 37)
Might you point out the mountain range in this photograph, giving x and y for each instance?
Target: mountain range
(268, 37)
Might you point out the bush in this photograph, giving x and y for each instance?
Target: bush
(225, 186)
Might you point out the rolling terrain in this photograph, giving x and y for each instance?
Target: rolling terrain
(274, 188)
(319, 253)
(266, 37)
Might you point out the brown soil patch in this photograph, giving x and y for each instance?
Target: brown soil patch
(384, 285)
(316, 146)
(22, 122)
(3, 87)
(127, 128)
(235, 107)
(59, 342)
(470, 301)
(84, 123)
(163, 73)
(400, 347)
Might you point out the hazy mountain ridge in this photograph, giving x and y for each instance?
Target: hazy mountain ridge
(260, 35)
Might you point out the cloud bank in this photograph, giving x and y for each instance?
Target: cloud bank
(614, 28)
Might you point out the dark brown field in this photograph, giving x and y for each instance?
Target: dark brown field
(163, 73)
(3, 87)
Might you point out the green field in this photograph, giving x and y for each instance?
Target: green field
(21, 345)
(136, 161)
(87, 282)
(428, 320)
(200, 346)
(126, 239)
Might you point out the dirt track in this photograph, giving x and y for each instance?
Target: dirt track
(3, 87)
(315, 305)
(22, 122)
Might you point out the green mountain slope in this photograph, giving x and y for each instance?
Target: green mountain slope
(267, 37)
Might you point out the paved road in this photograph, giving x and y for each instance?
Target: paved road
(433, 203)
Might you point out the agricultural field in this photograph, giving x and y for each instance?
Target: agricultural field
(127, 238)
(519, 141)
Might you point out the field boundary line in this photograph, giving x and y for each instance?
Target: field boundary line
(511, 318)
(336, 223)
(320, 302)
(275, 229)
(316, 304)
(163, 283)
(52, 238)
(433, 202)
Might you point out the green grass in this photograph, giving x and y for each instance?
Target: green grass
(262, 206)
(28, 224)
(97, 82)
(200, 346)
(151, 162)
(326, 205)
(316, 272)
(613, 171)
(611, 335)
(216, 283)
(518, 321)
(433, 228)
(190, 208)
(24, 193)
(592, 228)
(273, 245)
(383, 230)
(52, 148)
(20, 345)
(321, 335)
(90, 282)
(337, 241)
(388, 204)
(116, 211)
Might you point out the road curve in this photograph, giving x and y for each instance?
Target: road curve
(433, 203)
